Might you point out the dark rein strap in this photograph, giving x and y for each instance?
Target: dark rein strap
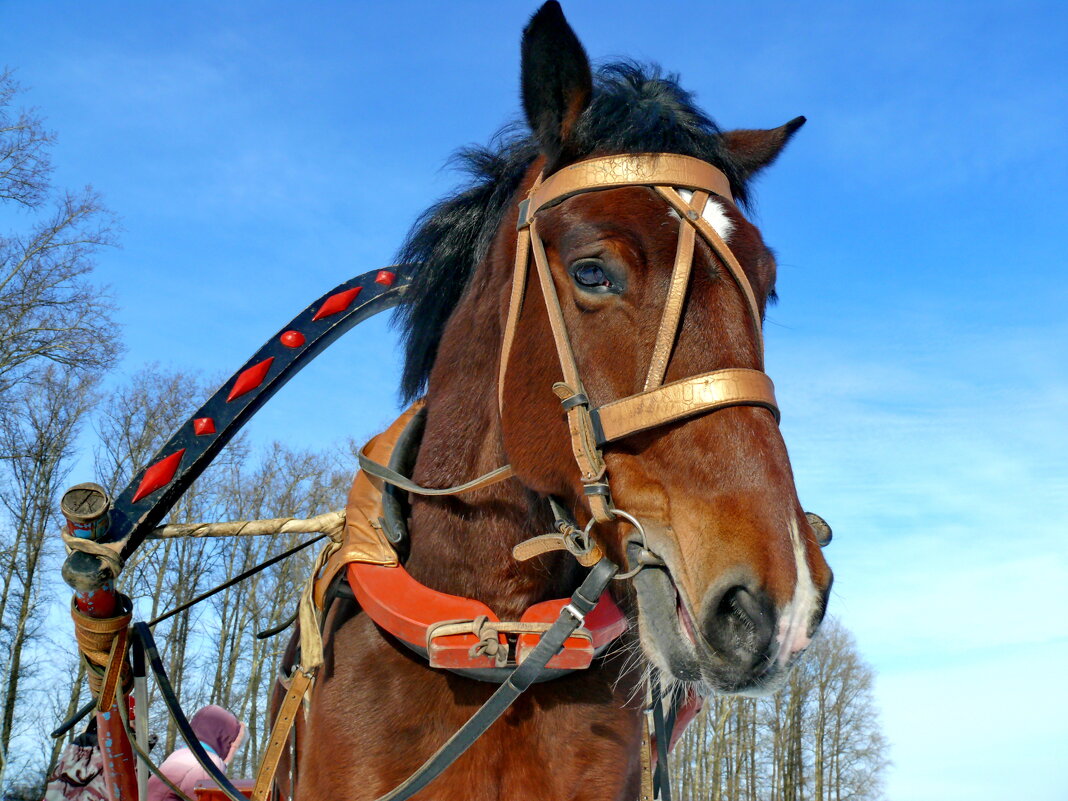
(143, 639)
(661, 779)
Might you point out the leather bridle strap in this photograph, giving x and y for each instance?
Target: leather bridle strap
(515, 302)
(613, 172)
(571, 393)
(676, 297)
(735, 386)
(657, 404)
(715, 241)
(383, 473)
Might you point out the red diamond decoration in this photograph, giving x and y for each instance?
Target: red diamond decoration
(203, 425)
(385, 278)
(158, 475)
(250, 379)
(337, 303)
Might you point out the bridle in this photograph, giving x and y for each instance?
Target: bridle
(591, 428)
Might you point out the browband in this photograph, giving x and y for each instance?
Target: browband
(612, 172)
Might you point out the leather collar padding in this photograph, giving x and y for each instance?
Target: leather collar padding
(364, 540)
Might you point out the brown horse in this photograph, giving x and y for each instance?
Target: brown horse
(743, 586)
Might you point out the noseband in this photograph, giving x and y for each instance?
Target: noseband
(658, 403)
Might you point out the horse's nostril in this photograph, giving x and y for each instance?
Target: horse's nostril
(740, 624)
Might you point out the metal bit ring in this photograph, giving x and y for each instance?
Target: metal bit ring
(645, 556)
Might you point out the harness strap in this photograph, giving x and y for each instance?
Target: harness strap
(676, 297)
(645, 757)
(721, 249)
(383, 473)
(303, 677)
(571, 617)
(733, 386)
(299, 683)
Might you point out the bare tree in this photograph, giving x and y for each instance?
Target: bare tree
(49, 309)
(210, 651)
(817, 739)
(40, 442)
(25, 163)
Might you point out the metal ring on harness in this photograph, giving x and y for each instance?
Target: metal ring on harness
(645, 557)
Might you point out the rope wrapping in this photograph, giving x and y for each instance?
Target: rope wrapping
(103, 644)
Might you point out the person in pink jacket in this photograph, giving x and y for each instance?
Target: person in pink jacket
(221, 734)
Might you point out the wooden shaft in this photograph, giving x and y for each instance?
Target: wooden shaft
(86, 508)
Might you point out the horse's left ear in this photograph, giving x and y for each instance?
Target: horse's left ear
(752, 151)
(556, 79)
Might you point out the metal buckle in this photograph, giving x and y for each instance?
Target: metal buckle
(523, 221)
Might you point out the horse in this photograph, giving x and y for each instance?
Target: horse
(739, 586)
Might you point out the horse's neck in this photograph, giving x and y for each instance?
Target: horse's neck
(463, 545)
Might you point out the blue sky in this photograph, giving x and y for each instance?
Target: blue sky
(259, 154)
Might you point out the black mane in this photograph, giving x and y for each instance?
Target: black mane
(635, 109)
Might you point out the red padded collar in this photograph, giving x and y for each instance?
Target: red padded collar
(407, 610)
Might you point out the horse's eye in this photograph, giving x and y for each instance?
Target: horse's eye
(591, 275)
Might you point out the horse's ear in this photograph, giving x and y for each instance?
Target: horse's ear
(556, 80)
(752, 151)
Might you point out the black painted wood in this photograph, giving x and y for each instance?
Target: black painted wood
(132, 520)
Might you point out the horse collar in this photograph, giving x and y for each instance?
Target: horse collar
(459, 634)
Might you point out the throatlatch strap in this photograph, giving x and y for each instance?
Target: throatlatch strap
(383, 473)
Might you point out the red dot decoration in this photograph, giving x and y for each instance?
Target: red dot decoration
(385, 278)
(158, 475)
(203, 425)
(337, 303)
(292, 339)
(250, 379)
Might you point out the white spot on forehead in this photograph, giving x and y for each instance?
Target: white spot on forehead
(714, 213)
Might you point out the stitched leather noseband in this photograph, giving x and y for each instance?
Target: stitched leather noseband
(658, 403)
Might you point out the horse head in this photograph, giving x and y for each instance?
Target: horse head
(741, 585)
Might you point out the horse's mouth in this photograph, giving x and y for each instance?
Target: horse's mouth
(672, 640)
